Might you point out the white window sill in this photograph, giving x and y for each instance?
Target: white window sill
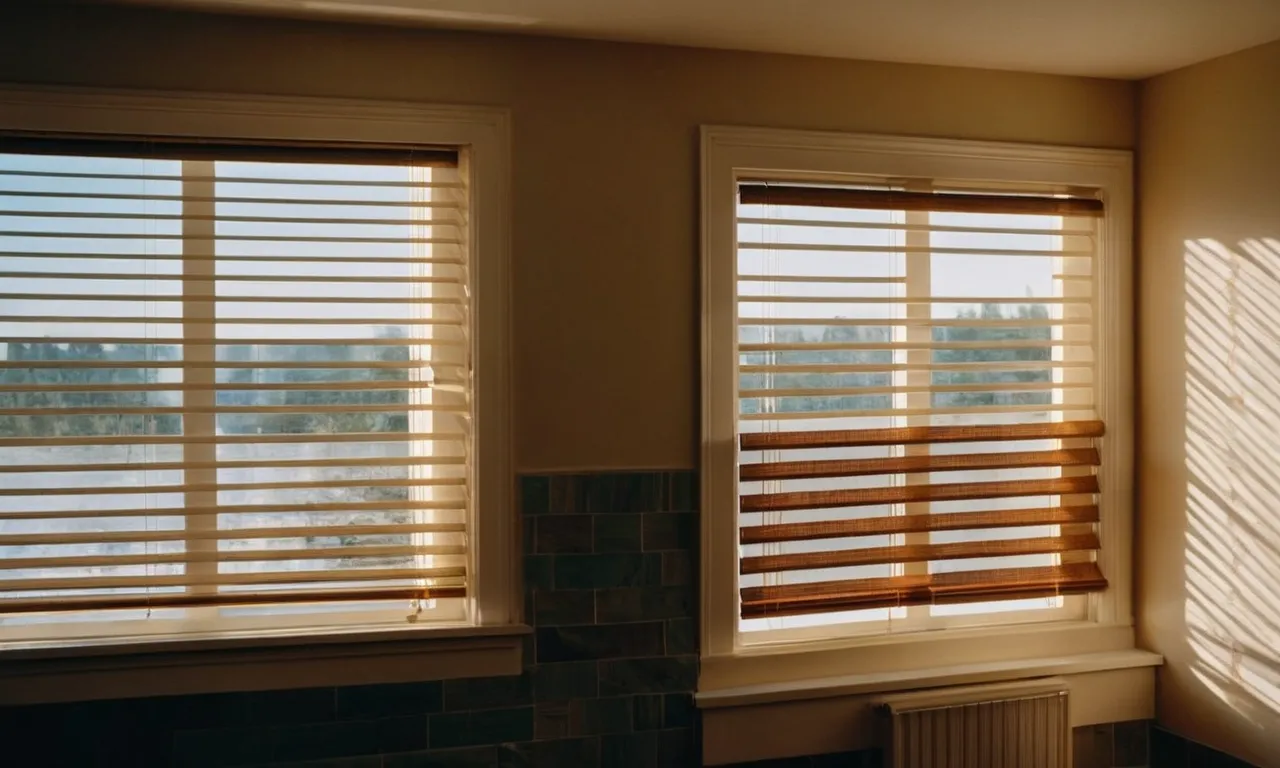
(932, 677)
(838, 714)
(48, 672)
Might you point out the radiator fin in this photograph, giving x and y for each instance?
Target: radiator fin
(1025, 731)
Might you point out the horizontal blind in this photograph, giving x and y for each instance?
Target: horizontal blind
(916, 398)
(231, 376)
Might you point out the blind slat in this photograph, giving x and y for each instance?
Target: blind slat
(987, 410)
(127, 490)
(397, 341)
(152, 601)
(296, 279)
(297, 386)
(154, 297)
(918, 553)
(958, 587)
(109, 410)
(995, 386)
(1014, 365)
(318, 437)
(791, 470)
(260, 578)
(225, 218)
(871, 346)
(225, 199)
(901, 524)
(224, 534)
(266, 509)
(886, 249)
(920, 435)
(237, 259)
(860, 497)
(905, 227)
(352, 552)
(155, 466)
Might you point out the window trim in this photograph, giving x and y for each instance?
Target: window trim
(494, 594)
(730, 152)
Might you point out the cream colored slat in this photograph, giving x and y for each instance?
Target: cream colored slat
(227, 556)
(106, 410)
(263, 259)
(300, 386)
(1004, 386)
(264, 578)
(776, 299)
(151, 601)
(100, 320)
(890, 345)
(867, 412)
(236, 179)
(156, 466)
(247, 509)
(327, 437)
(107, 216)
(127, 490)
(1003, 365)
(222, 299)
(1031, 322)
(232, 238)
(398, 341)
(294, 279)
(222, 534)
(820, 279)
(238, 364)
(829, 224)
(228, 199)
(886, 249)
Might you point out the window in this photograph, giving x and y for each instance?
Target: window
(238, 389)
(911, 399)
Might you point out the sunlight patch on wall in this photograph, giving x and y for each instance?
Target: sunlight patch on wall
(1233, 471)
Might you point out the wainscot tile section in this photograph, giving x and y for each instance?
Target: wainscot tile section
(1169, 750)
(609, 673)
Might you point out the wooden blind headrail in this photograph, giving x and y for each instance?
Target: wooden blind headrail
(956, 587)
(853, 438)
(164, 148)
(895, 200)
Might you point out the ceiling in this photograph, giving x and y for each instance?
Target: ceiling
(1103, 38)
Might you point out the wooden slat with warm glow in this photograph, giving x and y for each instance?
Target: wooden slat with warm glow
(853, 438)
(796, 470)
(899, 524)
(956, 587)
(917, 553)
(859, 497)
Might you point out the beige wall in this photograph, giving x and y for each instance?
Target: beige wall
(1209, 525)
(605, 176)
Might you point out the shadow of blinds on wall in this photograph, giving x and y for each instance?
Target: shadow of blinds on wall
(235, 384)
(917, 391)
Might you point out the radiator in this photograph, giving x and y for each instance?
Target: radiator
(1015, 725)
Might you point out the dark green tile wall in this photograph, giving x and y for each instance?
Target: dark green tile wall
(608, 681)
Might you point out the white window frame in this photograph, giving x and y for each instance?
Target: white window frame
(729, 154)
(494, 605)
